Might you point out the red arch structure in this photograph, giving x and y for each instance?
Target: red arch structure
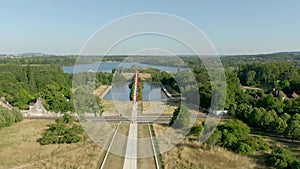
(135, 91)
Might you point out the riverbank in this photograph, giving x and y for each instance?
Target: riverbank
(102, 91)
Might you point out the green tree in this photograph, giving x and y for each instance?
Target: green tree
(250, 78)
(196, 130)
(232, 109)
(243, 112)
(267, 118)
(284, 84)
(293, 130)
(295, 164)
(22, 99)
(285, 117)
(269, 102)
(255, 116)
(64, 130)
(233, 132)
(278, 125)
(280, 158)
(180, 118)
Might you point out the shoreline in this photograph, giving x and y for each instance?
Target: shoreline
(105, 92)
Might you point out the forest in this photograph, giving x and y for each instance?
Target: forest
(262, 92)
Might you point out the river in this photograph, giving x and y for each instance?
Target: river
(109, 66)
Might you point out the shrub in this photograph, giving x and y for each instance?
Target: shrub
(213, 139)
(180, 118)
(257, 143)
(9, 117)
(196, 130)
(235, 137)
(64, 130)
(244, 148)
(18, 115)
(281, 158)
(295, 164)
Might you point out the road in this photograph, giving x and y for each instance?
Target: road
(117, 119)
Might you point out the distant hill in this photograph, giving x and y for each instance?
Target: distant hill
(32, 54)
(292, 57)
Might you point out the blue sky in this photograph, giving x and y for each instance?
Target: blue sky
(233, 26)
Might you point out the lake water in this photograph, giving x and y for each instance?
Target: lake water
(120, 92)
(109, 66)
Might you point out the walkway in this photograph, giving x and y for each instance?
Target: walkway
(131, 148)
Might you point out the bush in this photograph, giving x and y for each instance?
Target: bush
(180, 118)
(282, 158)
(2, 121)
(18, 115)
(295, 164)
(196, 130)
(244, 148)
(257, 143)
(213, 139)
(64, 130)
(233, 132)
(9, 117)
(235, 137)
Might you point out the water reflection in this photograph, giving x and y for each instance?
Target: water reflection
(120, 92)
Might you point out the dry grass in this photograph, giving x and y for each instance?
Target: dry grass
(278, 141)
(145, 152)
(145, 108)
(115, 107)
(18, 148)
(156, 108)
(145, 76)
(192, 155)
(127, 75)
(115, 159)
(101, 91)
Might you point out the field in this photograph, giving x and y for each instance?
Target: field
(19, 149)
(156, 108)
(278, 141)
(115, 159)
(145, 148)
(193, 155)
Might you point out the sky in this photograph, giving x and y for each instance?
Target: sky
(232, 26)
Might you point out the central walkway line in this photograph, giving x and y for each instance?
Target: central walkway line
(131, 148)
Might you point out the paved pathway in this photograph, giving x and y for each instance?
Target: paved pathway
(131, 148)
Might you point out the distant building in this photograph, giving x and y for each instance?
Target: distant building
(37, 108)
(277, 93)
(4, 103)
(218, 112)
(294, 95)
